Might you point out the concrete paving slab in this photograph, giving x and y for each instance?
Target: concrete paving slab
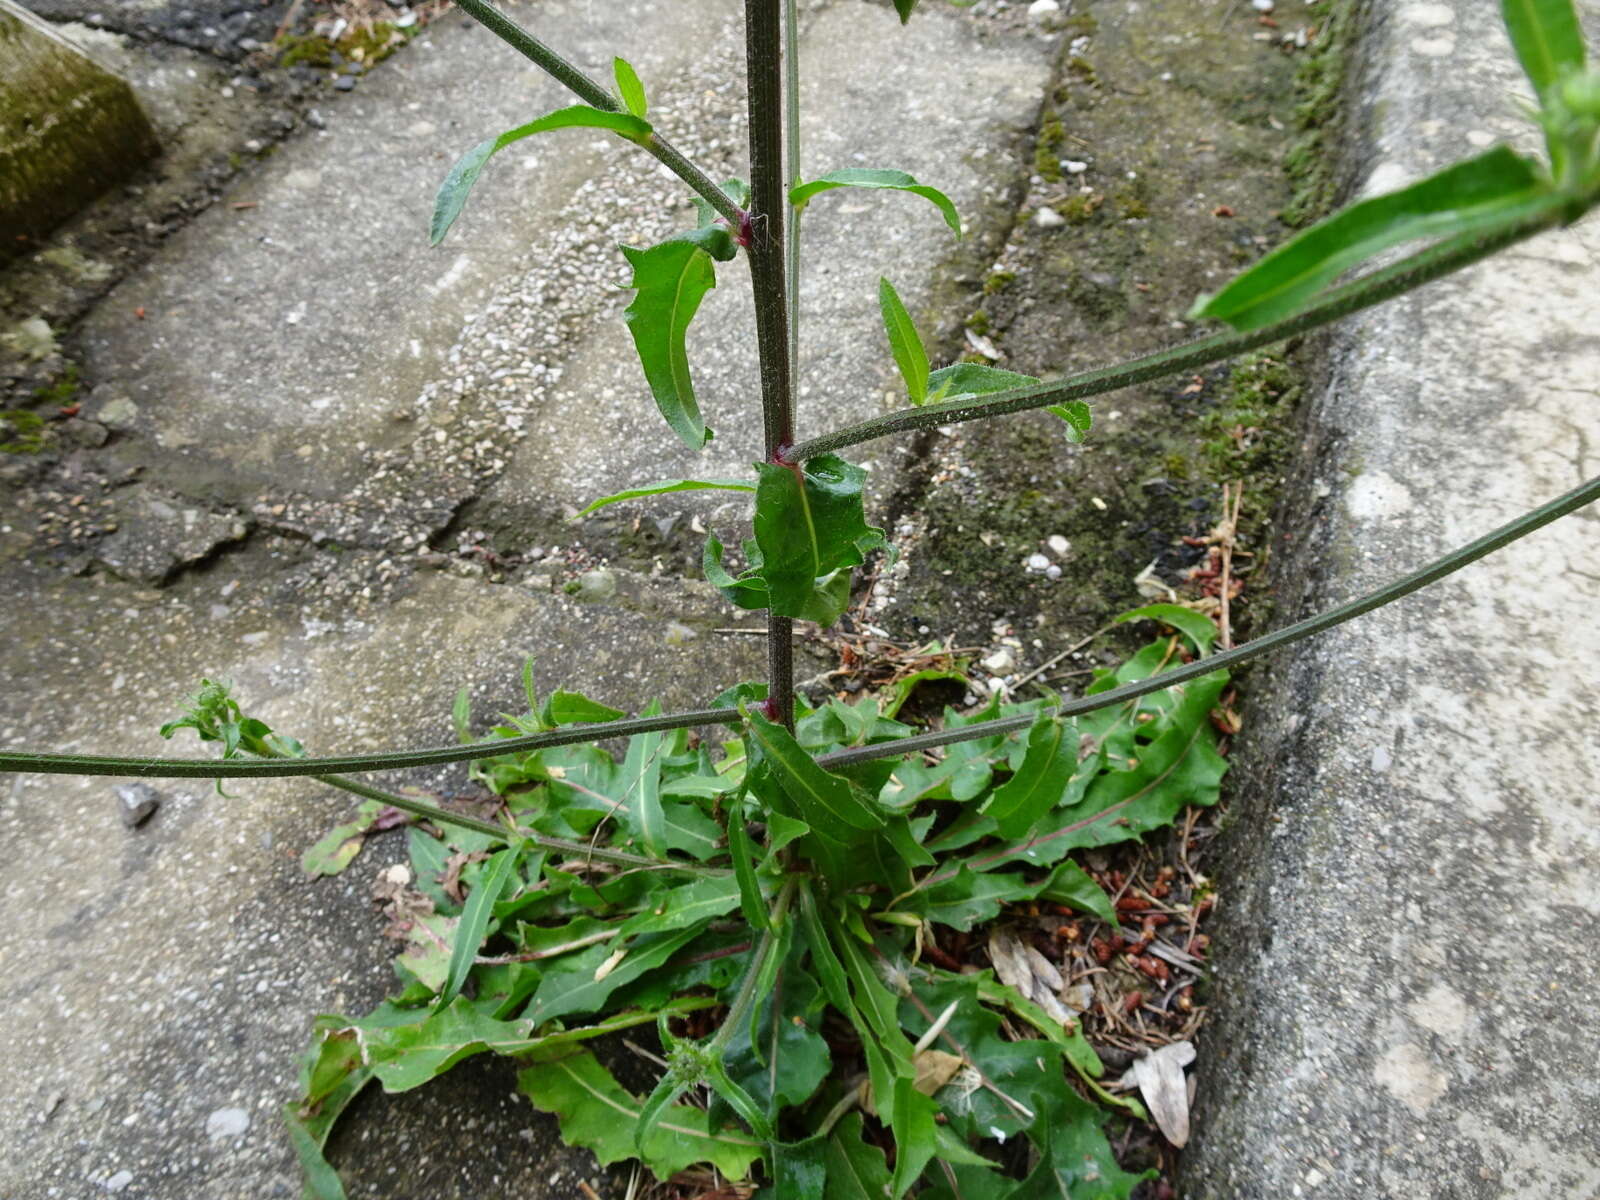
(1403, 1002)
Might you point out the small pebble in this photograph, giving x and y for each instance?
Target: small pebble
(1048, 218)
(1073, 167)
(1058, 544)
(1037, 562)
(227, 1123)
(1262, 6)
(118, 1181)
(1040, 9)
(1052, 572)
(999, 662)
(345, 83)
(139, 801)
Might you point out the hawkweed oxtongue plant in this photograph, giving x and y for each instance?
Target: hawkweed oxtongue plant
(786, 879)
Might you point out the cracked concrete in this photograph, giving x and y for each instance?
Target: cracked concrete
(1402, 1005)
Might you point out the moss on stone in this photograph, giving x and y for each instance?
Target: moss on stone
(1311, 160)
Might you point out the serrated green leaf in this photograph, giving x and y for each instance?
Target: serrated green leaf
(475, 919)
(665, 486)
(827, 802)
(1197, 627)
(453, 191)
(1039, 783)
(1547, 38)
(973, 379)
(670, 279)
(629, 88)
(809, 524)
(905, 343)
(597, 1113)
(1079, 419)
(1496, 188)
(871, 177)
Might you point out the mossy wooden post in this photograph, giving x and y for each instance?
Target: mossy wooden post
(69, 129)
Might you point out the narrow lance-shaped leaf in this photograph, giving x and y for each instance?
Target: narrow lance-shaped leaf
(1547, 38)
(1495, 188)
(871, 177)
(475, 921)
(671, 279)
(973, 379)
(744, 870)
(629, 87)
(641, 776)
(665, 486)
(829, 803)
(905, 9)
(453, 191)
(1039, 783)
(904, 342)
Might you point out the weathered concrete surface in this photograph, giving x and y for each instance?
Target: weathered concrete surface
(1405, 1002)
(69, 128)
(308, 366)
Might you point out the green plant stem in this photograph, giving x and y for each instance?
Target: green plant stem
(1404, 586)
(1385, 284)
(508, 835)
(739, 1011)
(565, 72)
(763, 57)
(239, 768)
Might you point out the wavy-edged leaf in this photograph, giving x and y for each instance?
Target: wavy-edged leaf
(1078, 417)
(629, 87)
(747, 591)
(905, 343)
(453, 191)
(597, 1113)
(475, 921)
(1496, 188)
(1547, 38)
(670, 279)
(1197, 627)
(665, 486)
(872, 177)
(810, 523)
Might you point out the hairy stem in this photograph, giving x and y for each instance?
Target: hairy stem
(1385, 284)
(505, 834)
(791, 125)
(763, 57)
(239, 768)
(592, 93)
(1404, 586)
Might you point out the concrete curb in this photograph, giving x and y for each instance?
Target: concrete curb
(1401, 1001)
